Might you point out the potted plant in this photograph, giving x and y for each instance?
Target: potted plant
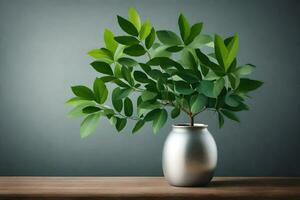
(190, 73)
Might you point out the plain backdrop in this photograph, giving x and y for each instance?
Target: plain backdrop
(43, 46)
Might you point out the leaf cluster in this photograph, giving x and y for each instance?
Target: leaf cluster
(191, 72)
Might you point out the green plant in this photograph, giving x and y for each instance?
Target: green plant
(191, 73)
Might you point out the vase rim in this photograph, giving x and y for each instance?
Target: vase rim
(187, 125)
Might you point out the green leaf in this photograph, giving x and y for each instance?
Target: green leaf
(198, 102)
(212, 55)
(108, 112)
(221, 52)
(247, 85)
(135, 50)
(184, 27)
(169, 95)
(145, 30)
(240, 107)
(121, 123)
(159, 50)
(188, 76)
(245, 69)
(102, 54)
(207, 88)
(110, 43)
(165, 62)
(230, 115)
(211, 75)
(100, 91)
(124, 93)
(127, 40)
(107, 79)
(174, 49)
(188, 60)
(234, 80)
(126, 73)
(211, 89)
(203, 58)
(89, 125)
(155, 74)
(227, 41)
(76, 101)
(140, 111)
(102, 67)
(90, 109)
(138, 126)
(183, 102)
(149, 105)
(160, 86)
(200, 41)
(113, 120)
(77, 111)
(206, 64)
(147, 95)
(213, 103)
(117, 70)
(168, 38)
(83, 91)
(119, 52)
(140, 77)
(232, 50)
(127, 26)
(195, 31)
(146, 68)
(150, 116)
(175, 112)
(218, 86)
(160, 120)
(151, 86)
(150, 39)
(128, 107)
(221, 120)
(183, 88)
(134, 18)
(121, 83)
(232, 100)
(232, 66)
(129, 62)
(116, 101)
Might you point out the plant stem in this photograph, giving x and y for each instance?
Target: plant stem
(138, 89)
(147, 52)
(120, 114)
(191, 119)
(132, 117)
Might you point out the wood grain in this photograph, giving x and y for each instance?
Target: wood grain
(120, 188)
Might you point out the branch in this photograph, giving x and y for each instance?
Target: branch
(199, 111)
(131, 117)
(120, 114)
(147, 52)
(138, 89)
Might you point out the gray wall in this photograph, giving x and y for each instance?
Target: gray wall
(43, 47)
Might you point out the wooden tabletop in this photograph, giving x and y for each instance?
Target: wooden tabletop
(146, 188)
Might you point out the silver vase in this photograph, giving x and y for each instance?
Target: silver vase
(189, 156)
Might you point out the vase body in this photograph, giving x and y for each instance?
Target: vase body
(189, 156)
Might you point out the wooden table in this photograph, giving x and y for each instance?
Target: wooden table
(144, 188)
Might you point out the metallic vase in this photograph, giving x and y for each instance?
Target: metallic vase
(189, 155)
